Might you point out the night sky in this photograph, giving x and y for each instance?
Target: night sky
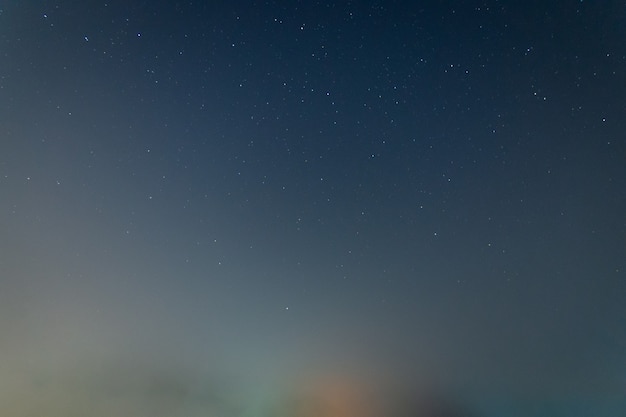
(329, 209)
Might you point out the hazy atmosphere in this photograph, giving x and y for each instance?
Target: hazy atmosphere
(312, 209)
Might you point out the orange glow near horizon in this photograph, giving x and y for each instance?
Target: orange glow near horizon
(334, 396)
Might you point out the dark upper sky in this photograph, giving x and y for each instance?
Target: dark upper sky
(210, 207)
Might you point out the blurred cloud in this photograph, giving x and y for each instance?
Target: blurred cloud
(135, 386)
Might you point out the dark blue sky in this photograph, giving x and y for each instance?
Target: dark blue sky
(242, 203)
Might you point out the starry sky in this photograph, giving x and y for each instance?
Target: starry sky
(340, 209)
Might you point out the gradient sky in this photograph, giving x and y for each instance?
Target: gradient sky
(227, 208)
